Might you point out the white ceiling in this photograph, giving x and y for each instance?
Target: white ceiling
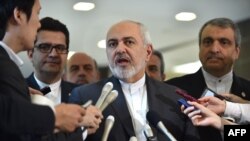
(177, 40)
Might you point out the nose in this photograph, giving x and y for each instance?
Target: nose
(53, 52)
(215, 47)
(81, 71)
(121, 47)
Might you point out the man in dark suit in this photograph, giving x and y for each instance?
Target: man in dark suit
(48, 58)
(20, 120)
(128, 50)
(219, 44)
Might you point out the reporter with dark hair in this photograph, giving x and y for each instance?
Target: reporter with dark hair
(20, 120)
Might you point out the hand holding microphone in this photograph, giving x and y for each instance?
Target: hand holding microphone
(108, 126)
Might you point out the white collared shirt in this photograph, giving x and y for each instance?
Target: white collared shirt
(136, 98)
(13, 56)
(55, 94)
(219, 85)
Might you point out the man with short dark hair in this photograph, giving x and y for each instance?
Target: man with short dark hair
(20, 120)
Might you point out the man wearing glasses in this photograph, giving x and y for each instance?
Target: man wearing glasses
(48, 58)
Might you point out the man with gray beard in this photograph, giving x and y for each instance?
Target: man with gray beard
(128, 50)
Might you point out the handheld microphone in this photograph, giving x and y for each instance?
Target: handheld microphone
(149, 133)
(105, 91)
(108, 126)
(133, 138)
(154, 119)
(110, 98)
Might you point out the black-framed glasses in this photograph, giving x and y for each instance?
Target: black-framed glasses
(47, 48)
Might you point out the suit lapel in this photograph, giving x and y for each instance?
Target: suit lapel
(121, 109)
(32, 82)
(65, 92)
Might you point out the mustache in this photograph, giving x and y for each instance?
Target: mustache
(122, 57)
(53, 60)
(214, 56)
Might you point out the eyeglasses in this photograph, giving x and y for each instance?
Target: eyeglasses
(47, 48)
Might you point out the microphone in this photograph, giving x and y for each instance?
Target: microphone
(149, 133)
(110, 98)
(154, 119)
(105, 91)
(133, 138)
(108, 126)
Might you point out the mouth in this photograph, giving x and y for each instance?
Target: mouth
(214, 58)
(122, 61)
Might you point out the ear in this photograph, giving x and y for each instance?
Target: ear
(30, 53)
(237, 52)
(149, 51)
(19, 16)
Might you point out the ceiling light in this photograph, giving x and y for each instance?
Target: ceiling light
(84, 6)
(185, 16)
(102, 44)
(187, 68)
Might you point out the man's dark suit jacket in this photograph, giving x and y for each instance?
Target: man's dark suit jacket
(195, 84)
(161, 99)
(19, 119)
(66, 91)
(66, 87)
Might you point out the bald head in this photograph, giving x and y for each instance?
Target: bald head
(81, 69)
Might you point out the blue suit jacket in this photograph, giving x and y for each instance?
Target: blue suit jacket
(195, 84)
(161, 99)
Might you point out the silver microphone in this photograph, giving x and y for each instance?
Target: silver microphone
(149, 133)
(110, 98)
(154, 119)
(105, 91)
(161, 126)
(133, 138)
(108, 126)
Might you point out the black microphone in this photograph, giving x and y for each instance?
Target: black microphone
(108, 126)
(154, 119)
(149, 133)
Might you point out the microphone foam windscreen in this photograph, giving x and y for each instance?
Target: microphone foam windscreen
(153, 118)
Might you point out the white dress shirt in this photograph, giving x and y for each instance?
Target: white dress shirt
(240, 112)
(219, 85)
(136, 98)
(55, 94)
(13, 56)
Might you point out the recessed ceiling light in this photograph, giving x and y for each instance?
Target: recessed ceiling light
(185, 16)
(84, 6)
(102, 44)
(187, 68)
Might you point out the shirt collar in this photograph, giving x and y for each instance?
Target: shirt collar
(211, 78)
(13, 56)
(52, 86)
(134, 86)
